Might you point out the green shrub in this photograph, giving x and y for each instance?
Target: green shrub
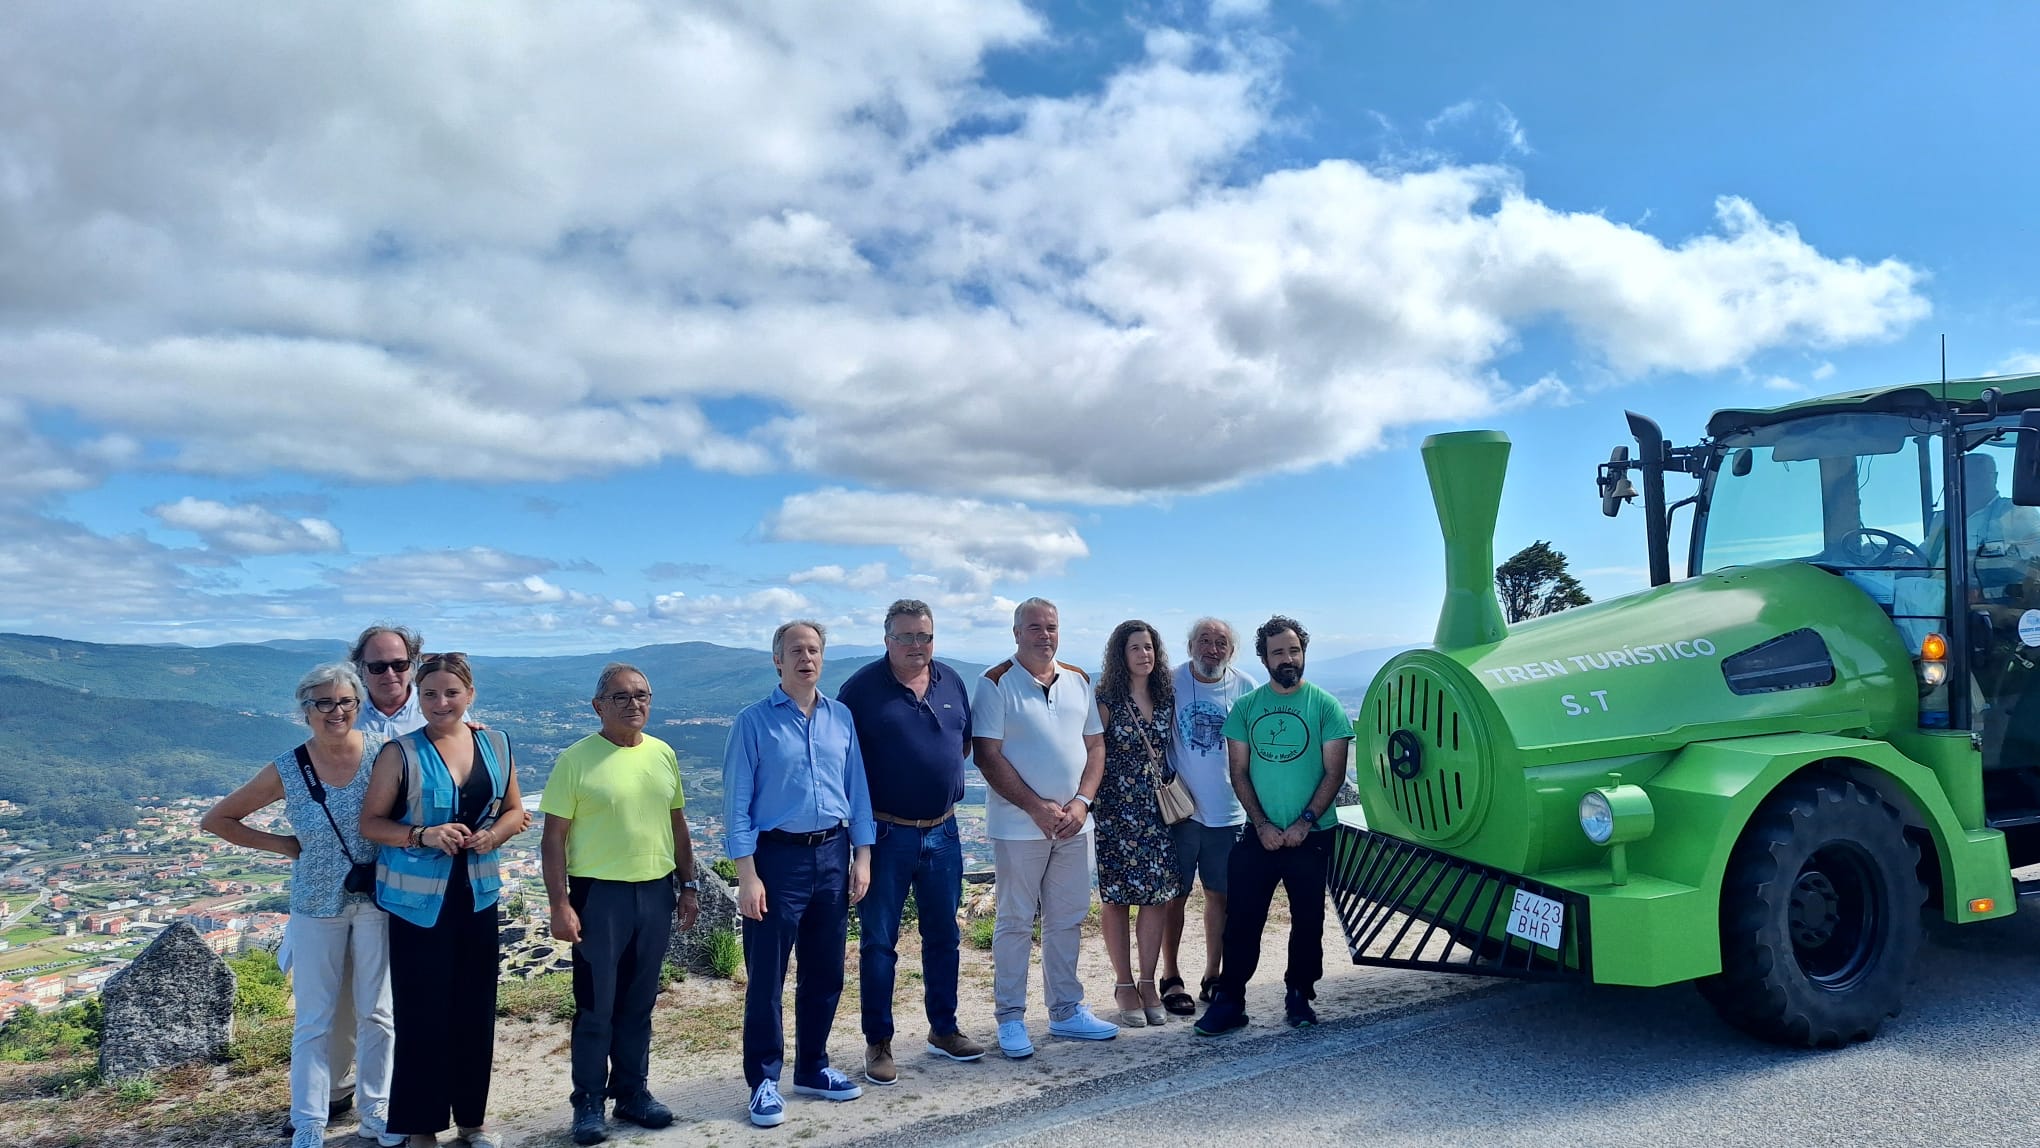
(30, 1036)
(725, 952)
(259, 1043)
(547, 997)
(726, 869)
(980, 932)
(139, 1090)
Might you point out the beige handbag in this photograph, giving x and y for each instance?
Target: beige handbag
(1172, 793)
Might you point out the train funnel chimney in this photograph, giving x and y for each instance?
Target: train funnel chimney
(1466, 470)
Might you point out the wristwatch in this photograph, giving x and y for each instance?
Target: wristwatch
(1307, 817)
(1085, 800)
(694, 885)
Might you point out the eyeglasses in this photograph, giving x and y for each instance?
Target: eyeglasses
(328, 705)
(400, 665)
(912, 639)
(620, 700)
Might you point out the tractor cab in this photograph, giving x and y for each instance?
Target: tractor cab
(1921, 497)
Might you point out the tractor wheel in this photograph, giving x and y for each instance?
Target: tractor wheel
(1820, 917)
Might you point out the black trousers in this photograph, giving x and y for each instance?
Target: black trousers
(625, 927)
(1251, 875)
(443, 995)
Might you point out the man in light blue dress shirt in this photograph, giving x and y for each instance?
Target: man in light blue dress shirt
(799, 828)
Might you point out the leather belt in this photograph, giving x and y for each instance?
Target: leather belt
(931, 823)
(782, 837)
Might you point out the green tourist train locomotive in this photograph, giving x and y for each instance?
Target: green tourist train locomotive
(1753, 777)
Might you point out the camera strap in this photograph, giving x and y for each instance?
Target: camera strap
(317, 789)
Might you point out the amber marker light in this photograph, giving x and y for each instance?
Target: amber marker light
(1933, 662)
(1982, 904)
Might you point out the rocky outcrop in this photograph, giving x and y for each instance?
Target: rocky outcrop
(689, 947)
(171, 1005)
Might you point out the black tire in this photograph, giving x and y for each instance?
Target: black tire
(1820, 917)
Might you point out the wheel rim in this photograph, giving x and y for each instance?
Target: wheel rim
(1835, 916)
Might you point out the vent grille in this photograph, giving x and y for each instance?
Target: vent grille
(1443, 799)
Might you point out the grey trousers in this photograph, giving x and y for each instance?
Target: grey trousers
(1051, 879)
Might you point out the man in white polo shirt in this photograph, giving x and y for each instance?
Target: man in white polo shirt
(1040, 745)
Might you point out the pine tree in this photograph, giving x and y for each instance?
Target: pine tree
(1534, 582)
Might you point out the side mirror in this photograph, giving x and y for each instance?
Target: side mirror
(1740, 462)
(1616, 488)
(2026, 461)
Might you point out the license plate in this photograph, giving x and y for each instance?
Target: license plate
(1539, 920)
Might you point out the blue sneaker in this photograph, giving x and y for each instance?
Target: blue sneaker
(1013, 1040)
(1296, 1010)
(827, 1084)
(1082, 1025)
(767, 1109)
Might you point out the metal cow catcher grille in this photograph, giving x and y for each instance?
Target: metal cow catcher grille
(1405, 906)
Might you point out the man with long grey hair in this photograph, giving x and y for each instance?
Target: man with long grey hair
(1207, 685)
(615, 834)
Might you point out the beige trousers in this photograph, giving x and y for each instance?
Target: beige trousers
(1051, 879)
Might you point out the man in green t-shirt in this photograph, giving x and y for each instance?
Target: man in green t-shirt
(1286, 748)
(615, 834)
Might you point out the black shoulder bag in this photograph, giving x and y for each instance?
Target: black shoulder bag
(360, 874)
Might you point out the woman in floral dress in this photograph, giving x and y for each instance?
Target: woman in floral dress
(1136, 855)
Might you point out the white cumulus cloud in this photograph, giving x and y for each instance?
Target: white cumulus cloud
(970, 543)
(247, 528)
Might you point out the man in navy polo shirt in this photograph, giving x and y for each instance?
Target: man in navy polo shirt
(913, 725)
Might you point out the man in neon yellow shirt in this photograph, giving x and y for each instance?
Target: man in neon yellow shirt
(615, 835)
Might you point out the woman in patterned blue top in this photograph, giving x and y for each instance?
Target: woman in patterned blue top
(336, 938)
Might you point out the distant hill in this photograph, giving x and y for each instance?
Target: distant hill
(79, 760)
(123, 721)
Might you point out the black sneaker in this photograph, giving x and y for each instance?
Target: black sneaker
(590, 1127)
(1225, 1015)
(641, 1109)
(1296, 1010)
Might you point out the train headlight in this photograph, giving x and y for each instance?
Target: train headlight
(1616, 814)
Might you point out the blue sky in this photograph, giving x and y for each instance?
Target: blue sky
(568, 331)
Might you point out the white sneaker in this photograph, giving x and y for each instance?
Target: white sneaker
(1081, 1025)
(1013, 1039)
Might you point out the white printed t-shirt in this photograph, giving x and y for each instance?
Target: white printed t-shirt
(1197, 751)
(1042, 730)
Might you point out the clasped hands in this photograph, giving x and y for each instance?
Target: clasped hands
(1273, 838)
(452, 836)
(1059, 822)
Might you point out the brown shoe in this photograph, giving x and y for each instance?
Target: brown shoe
(878, 1063)
(955, 1046)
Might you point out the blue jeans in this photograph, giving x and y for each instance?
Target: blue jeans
(930, 862)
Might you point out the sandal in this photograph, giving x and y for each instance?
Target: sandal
(1129, 1017)
(1204, 988)
(1175, 998)
(1155, 1016)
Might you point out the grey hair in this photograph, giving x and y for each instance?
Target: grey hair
(332, 673)
(1034, 604)
(1232, 636)
(615, 670)
(907, 608)
(412, 641)
(779, 635)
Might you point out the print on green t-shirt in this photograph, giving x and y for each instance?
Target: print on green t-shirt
(1285, 736)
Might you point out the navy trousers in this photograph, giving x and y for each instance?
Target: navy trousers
(807, 919)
